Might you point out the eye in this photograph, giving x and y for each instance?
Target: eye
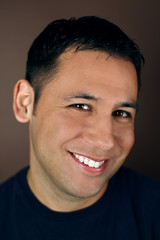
(121, 114)
(81, 106)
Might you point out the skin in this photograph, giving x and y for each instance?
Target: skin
(88, 109)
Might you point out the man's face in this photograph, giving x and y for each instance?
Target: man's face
(83, 127)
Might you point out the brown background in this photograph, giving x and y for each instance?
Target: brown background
(21, 21)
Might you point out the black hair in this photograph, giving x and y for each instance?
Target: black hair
(85, 33)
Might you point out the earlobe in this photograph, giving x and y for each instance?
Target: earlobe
(23, 101)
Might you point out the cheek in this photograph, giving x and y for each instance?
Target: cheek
(62, 128)
(125, 137)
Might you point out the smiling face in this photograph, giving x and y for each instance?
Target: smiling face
(83, 126)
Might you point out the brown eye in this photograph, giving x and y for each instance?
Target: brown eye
(121, 114)
(81, 106)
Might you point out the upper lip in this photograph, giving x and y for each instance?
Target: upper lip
(92, 158)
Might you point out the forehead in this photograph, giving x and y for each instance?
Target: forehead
(86, 60)
(94, 66)
(94, 72)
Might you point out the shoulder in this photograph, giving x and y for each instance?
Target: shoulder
(137, 179)
(10, 187)
(141, 188)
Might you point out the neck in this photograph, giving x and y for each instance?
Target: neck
(57, 200)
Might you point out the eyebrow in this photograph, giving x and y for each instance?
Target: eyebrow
(88, 96)
(81, 95)
(128, 105)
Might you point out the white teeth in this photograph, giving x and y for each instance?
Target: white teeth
(97, 164)
(81, 159)
(91, 163)
(88, 161)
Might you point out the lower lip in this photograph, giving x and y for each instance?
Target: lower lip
(91, 170)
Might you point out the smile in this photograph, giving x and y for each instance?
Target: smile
(87, 161)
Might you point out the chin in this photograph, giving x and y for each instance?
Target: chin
(90, 191)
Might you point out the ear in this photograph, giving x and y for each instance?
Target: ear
(23, 101)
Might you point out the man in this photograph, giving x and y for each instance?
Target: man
(80, 99)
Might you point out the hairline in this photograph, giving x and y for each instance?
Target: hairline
(53, 72)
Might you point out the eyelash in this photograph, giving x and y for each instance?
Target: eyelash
(118, 113)
(121, 113)
(81, 106)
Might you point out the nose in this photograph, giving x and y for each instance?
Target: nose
(100, 133)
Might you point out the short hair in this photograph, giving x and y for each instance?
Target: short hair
(85, 33)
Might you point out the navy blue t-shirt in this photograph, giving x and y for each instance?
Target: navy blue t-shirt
(129, 210)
